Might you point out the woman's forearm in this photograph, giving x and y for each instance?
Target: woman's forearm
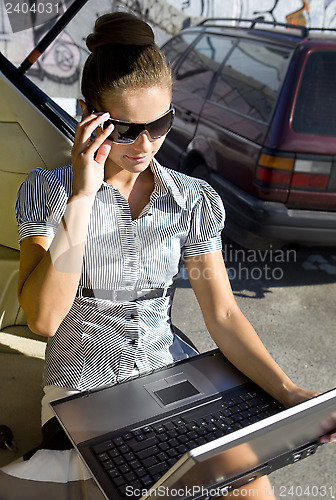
(49, 291)
(239, 342)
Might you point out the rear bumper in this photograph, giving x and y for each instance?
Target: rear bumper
(256, 223)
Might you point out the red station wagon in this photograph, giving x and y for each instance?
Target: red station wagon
(256, 117)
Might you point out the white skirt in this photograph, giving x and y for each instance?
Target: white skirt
(51, 474)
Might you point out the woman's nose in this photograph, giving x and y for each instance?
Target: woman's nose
(143, 141)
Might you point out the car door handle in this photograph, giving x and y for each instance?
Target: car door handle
(188, 117)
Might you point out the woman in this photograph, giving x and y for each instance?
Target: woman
(101, 240)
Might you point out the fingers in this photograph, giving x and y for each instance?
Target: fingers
(86, 127)
(101, 146)
(328, 427)
(103, 151)
(328, 438)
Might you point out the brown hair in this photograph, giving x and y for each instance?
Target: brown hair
(123, 56)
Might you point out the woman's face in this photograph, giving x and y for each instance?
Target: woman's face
(137, 106)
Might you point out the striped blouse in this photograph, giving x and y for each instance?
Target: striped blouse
(101, 341)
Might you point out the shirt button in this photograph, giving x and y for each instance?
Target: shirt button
(133, 342)
(132, 316)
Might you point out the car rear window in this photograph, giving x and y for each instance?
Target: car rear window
(250, 79)
(315, 107)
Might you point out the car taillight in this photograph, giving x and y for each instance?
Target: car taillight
(275, 170)
(281, 170)
(311, 174)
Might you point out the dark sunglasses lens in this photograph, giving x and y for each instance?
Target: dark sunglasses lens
(161, 126)
(126, 133)
(122, 132)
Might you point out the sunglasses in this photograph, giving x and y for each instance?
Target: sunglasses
(128, 132)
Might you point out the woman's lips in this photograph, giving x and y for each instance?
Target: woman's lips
(137, 159)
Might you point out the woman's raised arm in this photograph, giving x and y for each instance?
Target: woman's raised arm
(50, 269)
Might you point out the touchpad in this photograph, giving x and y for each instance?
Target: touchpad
(175, 390)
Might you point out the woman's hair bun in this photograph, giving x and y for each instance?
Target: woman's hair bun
(119, 28)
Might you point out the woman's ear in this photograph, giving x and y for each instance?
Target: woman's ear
(83, 106)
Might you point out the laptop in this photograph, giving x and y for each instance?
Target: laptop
(196, 429)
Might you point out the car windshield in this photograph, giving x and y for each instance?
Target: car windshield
(315, 107)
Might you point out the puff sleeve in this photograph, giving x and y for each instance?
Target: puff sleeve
(40, 204)
(207, 222)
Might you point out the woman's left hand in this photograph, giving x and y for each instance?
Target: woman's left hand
(299, 395)
(330, 423)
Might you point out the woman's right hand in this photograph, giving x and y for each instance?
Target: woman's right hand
(89, 156)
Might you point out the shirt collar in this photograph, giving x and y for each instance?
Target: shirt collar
(164, 179)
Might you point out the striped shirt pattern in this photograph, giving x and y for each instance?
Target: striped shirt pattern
(101, 341)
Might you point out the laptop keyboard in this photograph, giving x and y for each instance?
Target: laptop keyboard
(139, 457)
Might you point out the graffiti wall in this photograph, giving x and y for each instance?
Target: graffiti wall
(58, 69)
(318, 13)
